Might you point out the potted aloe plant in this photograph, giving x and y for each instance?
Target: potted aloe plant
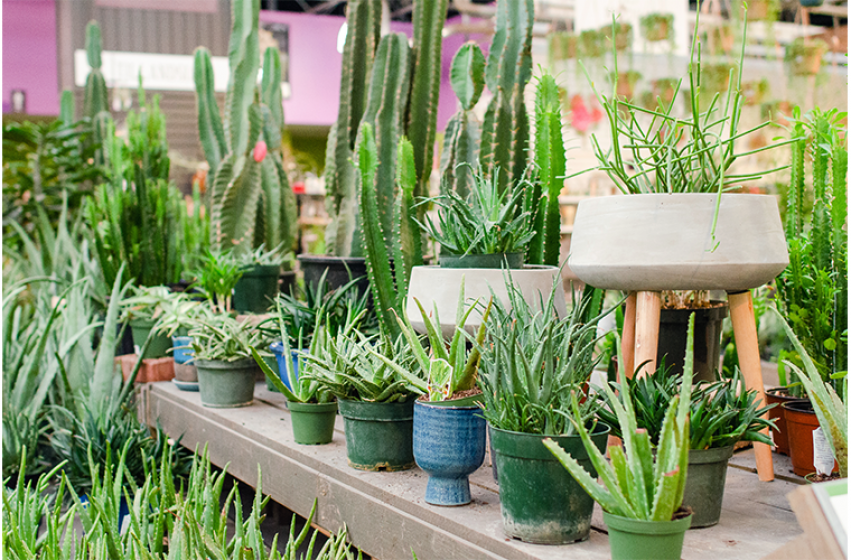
(312, 407)
(449, 432)
(377, 404)
(532, 361)
(642, 490)
(722, 413)
(180, 313)
(258, 286)
(224, 360)
(143, 310)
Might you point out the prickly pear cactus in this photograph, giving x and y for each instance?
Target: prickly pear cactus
(251, 202)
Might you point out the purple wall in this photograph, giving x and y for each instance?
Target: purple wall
(29, 54)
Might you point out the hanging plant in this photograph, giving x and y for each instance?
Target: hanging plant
(657, 27)
(623, 35)
(804, 55)
(625, 83)
(715, 78)
(563, 46)
(592, 43)
(721, 38)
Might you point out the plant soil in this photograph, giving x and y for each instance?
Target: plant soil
(816, 478)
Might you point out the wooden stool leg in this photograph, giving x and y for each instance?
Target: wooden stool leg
(627, 368)
(648, 308)
(747, 344)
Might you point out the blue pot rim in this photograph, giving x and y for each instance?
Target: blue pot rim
(433, 406)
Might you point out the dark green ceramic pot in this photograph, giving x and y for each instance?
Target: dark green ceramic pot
(379, 436)
(160, 343)
(257, 289)
(704, 491)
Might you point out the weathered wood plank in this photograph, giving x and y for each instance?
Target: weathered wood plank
(385, 512)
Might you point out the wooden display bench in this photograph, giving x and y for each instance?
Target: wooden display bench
(385, 512)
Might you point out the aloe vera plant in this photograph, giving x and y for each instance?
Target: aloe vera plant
(250, 198)
(638, 483)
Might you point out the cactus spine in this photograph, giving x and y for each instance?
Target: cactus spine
(505, 132)
(250, 199)
(551, 165)
(460, 144)
(363, 26)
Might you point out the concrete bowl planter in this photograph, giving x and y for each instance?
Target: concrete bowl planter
(378, 435)
(226, 384)
(449, 444)
(655, 242)
(435, 285)
(704, 491)
(540, 501)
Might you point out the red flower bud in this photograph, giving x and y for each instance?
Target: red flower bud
(259, 151)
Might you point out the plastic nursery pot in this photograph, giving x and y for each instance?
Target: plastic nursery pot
(704, 491)
(226, 384)
(801, 421)
(673, 332)
(780, 435)
(636, 539)
(449, 444)
(160, 343)
(313, 423)
(378, 435)
(341, 270)
(181, 352)
(540, 501)
(494, 260)
(257, 288)
(281, 364)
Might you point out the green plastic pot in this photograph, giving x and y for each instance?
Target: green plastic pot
(540, 501)
(160, 343)
(379, 436)
(257, 289)
(313, 423)
(226, 384)
(491, 260)
(704, 491)
(636, 539)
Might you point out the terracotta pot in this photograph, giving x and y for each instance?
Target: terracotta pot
(801, 421)
(778, 396)
(656, 242)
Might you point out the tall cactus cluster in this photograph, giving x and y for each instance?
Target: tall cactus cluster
(250, 199)
(813, 289)
(95, 97)
(463, 131)
(505, 132)
(394, 89)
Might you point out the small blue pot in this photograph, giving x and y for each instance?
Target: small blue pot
(277, 349)
(449, 444)
(182, 355)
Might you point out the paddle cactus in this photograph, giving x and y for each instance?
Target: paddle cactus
(505, 132)
(251, 202)
(551, 164)
(461, 140)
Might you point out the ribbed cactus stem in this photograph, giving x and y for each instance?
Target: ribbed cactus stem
(505, 132)
(795, 197)
(385, 111)
(409, 245)
(244, 61)
(95, 95)
(66, 107)
(210, 129)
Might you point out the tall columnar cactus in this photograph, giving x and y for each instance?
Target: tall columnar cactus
(505, 132)
(551, 165)
(461, 140)
(95, 99)
(389, 285)
(250, 198)
(363, 24)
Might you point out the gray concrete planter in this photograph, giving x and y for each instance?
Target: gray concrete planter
(432, 284)
(656, 242)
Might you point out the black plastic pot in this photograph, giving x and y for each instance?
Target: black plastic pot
(341, 270)
(288, 281)
(673, 331)
(257, 289)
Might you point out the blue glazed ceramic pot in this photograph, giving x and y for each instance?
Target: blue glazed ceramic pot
(182, 355)
(449, 444)
(277, 349)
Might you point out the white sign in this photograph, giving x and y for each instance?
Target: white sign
(172, 72)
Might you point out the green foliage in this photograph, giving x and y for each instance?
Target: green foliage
(551, 164)
(831, 410)
(505, 131)
(813, 290)
(461, 138)
(223, 338)
(489, 221)
(721, 413)
(533, 361)
(250, 198)
(657, 27)
(638, 483)
(46, 169)
(217, 279)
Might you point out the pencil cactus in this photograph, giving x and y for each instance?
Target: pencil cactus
(505, 132)
(551, 164)
(461, 140)
(251, 202)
